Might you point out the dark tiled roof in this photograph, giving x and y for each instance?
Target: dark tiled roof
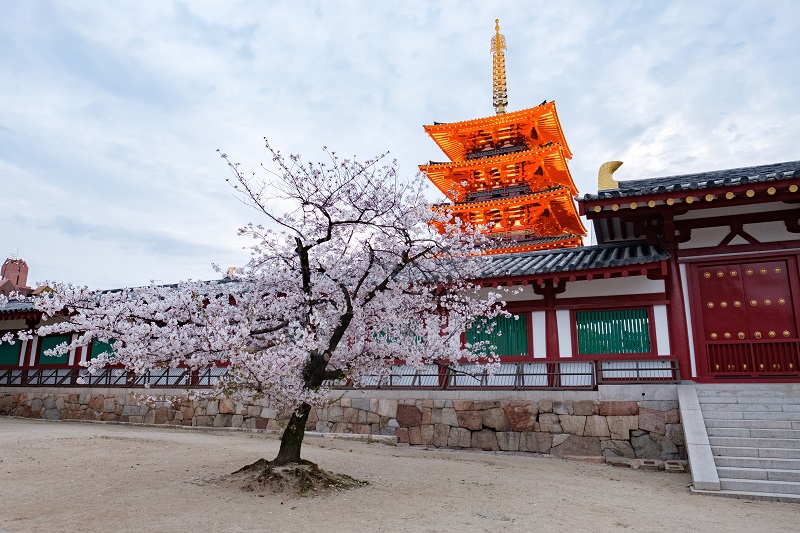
(572, 259)
(14, 306)
(702, 180)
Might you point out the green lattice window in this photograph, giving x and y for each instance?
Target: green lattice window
(9, 353)
(508, 334)
(619, 331)
(48, 343)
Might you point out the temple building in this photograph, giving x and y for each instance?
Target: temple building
(509, 171)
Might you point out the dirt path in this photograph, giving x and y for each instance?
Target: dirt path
(63, 476)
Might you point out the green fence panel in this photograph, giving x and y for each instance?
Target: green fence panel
(613, 331)
(509, 334)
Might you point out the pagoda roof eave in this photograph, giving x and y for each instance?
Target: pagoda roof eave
(506, 118)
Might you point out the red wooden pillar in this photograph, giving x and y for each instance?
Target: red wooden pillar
(676, 309)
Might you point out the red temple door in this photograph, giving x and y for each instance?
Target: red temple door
(749, 327)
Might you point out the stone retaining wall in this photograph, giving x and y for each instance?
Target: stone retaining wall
(614, 421)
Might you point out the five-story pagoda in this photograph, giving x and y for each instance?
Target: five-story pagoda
(509, 170)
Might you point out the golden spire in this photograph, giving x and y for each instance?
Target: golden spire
(499, 90)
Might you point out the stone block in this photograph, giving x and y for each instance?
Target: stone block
(414, 435)
(52, 414)
(373, 418)
(60, 403)
(408, 416)
(508, 441)
(470, 420)
(335, 413)
(673, 416)
(674, 433)
(402, 435)
(521, 416)
(387, 407)
(463, 405)
(345, 402)
(212, 409)
(459, 437)
(562, 408)
(439, 404)
(535, 442)
(644, 447)
(50, 402)
(559, 438)
(586, 408)
(426, 434)
(255, 410)
(227, 406)
(150, 417)
(360, 403)
(545, 406)
(620, 427)
(619, 408)
(312, 416)
(321, 427)
(494, 418)
(549, 423)
(596, 426)
(574, 425)
(652, 421)
(237, 421)
(485, 439)
(37, 404)
(160, 416)
(222, 420)
(617, 448)
(188, 413)
(96, 403)
(577, 445)
(486, 404)
(441, 432)
(350, 415)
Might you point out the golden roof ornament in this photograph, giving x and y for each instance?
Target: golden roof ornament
(499, 89)
(605, 181)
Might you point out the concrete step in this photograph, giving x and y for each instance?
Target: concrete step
(764, 474)
(754, 485)
(754, 442)
(742, 407)
(757, 462)
(751, 424)
(755, 433)
(744, 389)
(717, 414)
(745, 451)
(750, 399)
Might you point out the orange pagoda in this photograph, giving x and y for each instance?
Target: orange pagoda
(509, 170)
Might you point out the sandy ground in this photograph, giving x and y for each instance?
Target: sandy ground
(67, 476)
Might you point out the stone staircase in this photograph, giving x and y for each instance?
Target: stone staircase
(754, 435)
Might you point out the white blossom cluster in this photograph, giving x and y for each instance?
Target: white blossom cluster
(359, 268)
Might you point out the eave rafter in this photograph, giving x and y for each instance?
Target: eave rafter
(543, 167)
(745, 194)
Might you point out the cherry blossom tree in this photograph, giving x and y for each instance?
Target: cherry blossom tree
(351, 271)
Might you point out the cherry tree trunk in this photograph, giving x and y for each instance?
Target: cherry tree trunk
(292, 439)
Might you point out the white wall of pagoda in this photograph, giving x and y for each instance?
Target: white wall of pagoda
(662, 329)
(564, 333)
(539, 324)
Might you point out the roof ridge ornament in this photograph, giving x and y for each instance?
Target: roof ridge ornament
(605, 181)
(499, 88)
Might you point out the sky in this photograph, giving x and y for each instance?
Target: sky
(112, 112)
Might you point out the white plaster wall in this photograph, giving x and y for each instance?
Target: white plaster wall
(564, 333)
(770, 232)
(538, 324)
(662, 329)
(704, 237)
(514, 294)
(35, 343)
(612, 287)
(734, 210)
(688, 312)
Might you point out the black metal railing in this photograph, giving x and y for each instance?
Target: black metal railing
(578, 375)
